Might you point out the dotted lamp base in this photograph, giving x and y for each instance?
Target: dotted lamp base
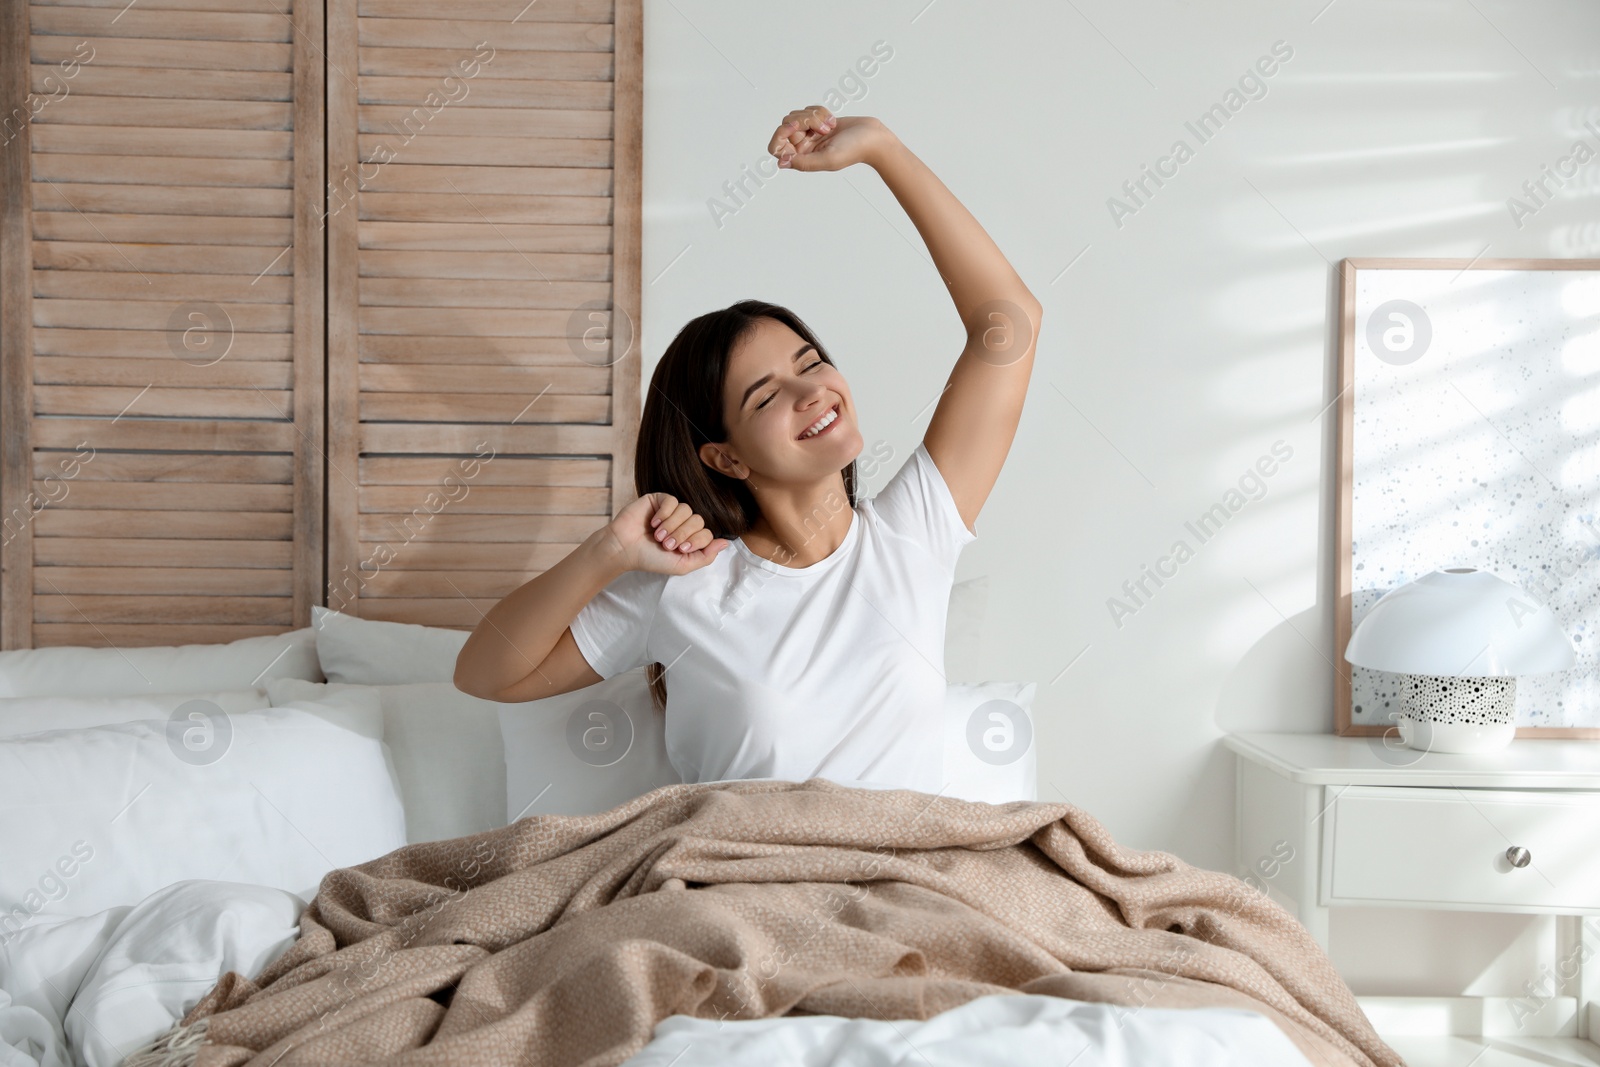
(1486, 701)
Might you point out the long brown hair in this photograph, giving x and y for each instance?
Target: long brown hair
(683, 410)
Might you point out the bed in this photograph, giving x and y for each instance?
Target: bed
(217, 854)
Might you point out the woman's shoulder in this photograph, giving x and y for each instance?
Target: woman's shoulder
(643, 585)
(915, 505)
(655, 584)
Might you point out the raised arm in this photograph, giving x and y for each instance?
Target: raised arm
(521, 650)
(977, 414)
(976, 418)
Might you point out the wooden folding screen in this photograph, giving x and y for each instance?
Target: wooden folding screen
(163, 318)
(483, 287)
(199, 442)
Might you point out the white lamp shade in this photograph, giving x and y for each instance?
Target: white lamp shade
(1460, 622)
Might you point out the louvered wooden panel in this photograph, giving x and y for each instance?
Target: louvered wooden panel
(483, 257)
(161, 351)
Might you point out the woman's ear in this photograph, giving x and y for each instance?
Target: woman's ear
(717, 458)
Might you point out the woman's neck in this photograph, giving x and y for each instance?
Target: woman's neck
(794, 533)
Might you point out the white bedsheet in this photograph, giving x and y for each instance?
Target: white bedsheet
(103, 985)
(1003, 1030)
(88, 991)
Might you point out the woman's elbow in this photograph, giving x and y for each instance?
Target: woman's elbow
(467, 677)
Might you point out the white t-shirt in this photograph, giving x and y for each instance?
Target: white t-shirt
(834, 671)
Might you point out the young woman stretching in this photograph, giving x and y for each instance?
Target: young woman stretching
(815, 647)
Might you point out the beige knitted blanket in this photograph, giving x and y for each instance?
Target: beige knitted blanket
(564, 939)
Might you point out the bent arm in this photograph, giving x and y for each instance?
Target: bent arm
(502, 659)
(976, 419)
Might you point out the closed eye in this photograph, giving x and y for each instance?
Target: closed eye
(811, 366)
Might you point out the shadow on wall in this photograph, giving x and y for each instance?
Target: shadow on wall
(1266, 690)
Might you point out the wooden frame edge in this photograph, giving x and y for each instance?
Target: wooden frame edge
(16, 334)
(310, 313)
(627, 252)
(343, 401)
(1344, 452)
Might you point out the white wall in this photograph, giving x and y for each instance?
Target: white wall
(1179, 346)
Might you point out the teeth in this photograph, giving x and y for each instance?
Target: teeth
(821, 424)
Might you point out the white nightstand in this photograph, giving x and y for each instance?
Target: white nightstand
(1324, 821)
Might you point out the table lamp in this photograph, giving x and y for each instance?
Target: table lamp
(1458, 638)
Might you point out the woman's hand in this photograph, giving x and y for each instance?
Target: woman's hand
(661, 534)
(813, 138)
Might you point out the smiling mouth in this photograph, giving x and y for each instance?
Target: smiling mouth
(837, 414)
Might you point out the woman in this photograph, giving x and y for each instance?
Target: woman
(815, 647)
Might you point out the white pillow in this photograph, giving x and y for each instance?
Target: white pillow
(585, 751)
(73, 670)
(989, 751)
(96, 818)
(27, 715)
(367, 652)
(591, 749)
(446, 748)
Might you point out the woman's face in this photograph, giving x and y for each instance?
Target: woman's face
(778, 387)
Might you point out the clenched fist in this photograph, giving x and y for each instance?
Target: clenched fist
(661, 534)
(814, 138)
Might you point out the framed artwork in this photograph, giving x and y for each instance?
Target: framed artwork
(1469, 436)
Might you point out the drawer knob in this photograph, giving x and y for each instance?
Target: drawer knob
(1518, 856)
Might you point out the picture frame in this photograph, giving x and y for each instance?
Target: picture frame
(1431, 380)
